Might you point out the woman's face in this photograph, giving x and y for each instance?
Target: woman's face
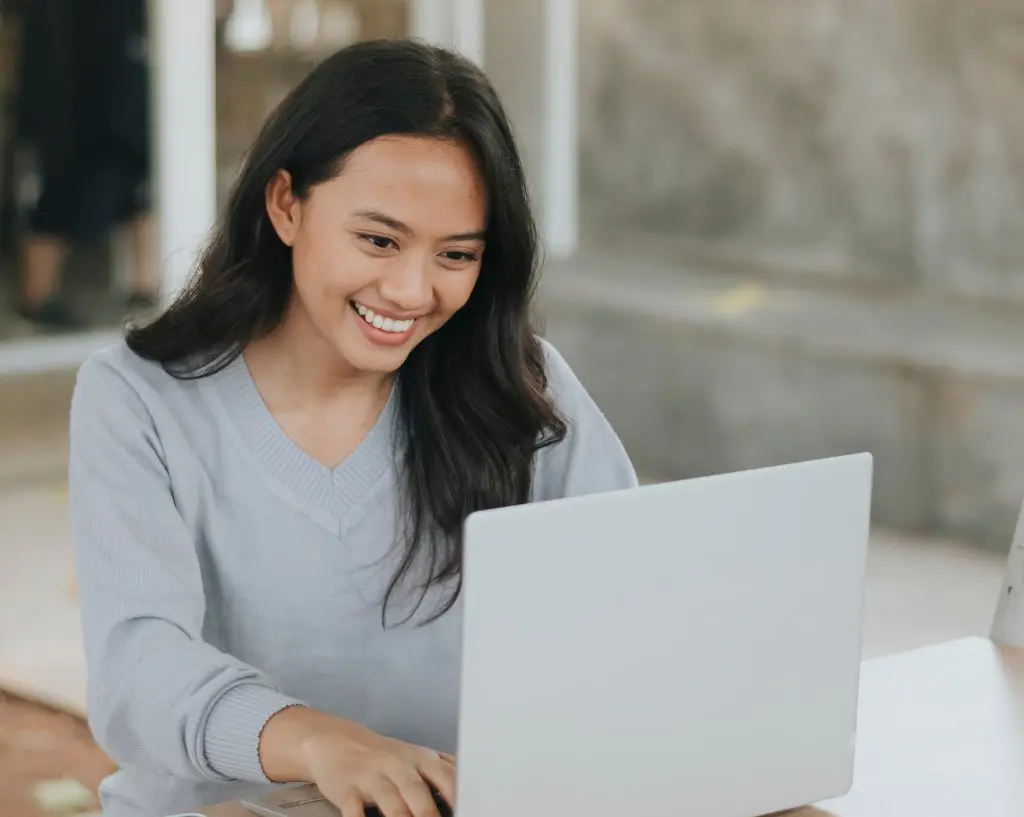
(387, 251)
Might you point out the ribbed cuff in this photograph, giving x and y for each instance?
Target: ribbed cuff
(232, 737)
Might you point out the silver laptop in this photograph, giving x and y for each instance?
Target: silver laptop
(690, 648)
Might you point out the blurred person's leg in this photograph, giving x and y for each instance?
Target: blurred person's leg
(44, 253)
(41, 303)
(43, 260)
(45, 119)
(145, 281)
(136, 212)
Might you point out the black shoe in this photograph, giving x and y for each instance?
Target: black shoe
(53, 315)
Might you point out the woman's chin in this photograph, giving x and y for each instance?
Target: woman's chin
(374, 358)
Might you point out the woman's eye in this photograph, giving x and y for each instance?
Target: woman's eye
(460, 257)
(379, 242)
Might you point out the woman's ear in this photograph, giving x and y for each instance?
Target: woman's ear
(283, 207)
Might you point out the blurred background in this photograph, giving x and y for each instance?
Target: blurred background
(774, 231)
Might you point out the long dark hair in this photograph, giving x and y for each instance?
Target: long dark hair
(473, 401)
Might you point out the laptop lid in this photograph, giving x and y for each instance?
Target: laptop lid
(685, 648)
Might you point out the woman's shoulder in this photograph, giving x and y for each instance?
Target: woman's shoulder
(590, 458)
(116, 381)
(563, 383)
(116, 367)
(570, 396)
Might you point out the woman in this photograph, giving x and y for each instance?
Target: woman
(269, 482)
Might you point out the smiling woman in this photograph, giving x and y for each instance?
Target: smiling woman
(269, 482)
(411, 258)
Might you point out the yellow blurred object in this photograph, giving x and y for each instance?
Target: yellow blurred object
(65, 796)
(739, 300)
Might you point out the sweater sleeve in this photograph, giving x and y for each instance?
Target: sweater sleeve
(591, 458)
(159, 697)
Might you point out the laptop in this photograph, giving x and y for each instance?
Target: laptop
(688, 648)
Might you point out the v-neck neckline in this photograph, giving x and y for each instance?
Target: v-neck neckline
(332, 491)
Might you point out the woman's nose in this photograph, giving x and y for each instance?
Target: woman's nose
(407, 284)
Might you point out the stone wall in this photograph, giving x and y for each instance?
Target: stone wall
(877, 139)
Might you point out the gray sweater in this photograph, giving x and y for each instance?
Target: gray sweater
(225, 575)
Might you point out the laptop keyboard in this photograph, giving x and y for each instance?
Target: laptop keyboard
(307, 801)
(442, 806)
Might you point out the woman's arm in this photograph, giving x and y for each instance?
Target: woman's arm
(159, 696)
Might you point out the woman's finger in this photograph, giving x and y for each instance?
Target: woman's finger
(384, 794)
(440, 773)
(351, 806)
(416, 793)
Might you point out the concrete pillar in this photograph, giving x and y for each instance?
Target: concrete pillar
(468, 32)
(532, 60)
(560, 159)
(457, 24)
(432, 21)
(532, 56)
(182, 37)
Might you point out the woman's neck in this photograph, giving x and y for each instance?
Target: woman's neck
(325, 409)
(296, 366)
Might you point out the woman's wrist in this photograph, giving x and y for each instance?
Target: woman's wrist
(286, 741)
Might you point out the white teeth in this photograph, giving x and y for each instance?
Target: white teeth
(382, 323)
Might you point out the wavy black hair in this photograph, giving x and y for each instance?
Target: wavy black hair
(473, 401)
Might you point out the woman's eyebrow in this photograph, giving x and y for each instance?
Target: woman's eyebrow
(402, 227)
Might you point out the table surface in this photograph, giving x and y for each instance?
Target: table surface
(941, 733)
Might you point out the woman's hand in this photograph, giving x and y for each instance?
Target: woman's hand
(354, 766)
(394, 776)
